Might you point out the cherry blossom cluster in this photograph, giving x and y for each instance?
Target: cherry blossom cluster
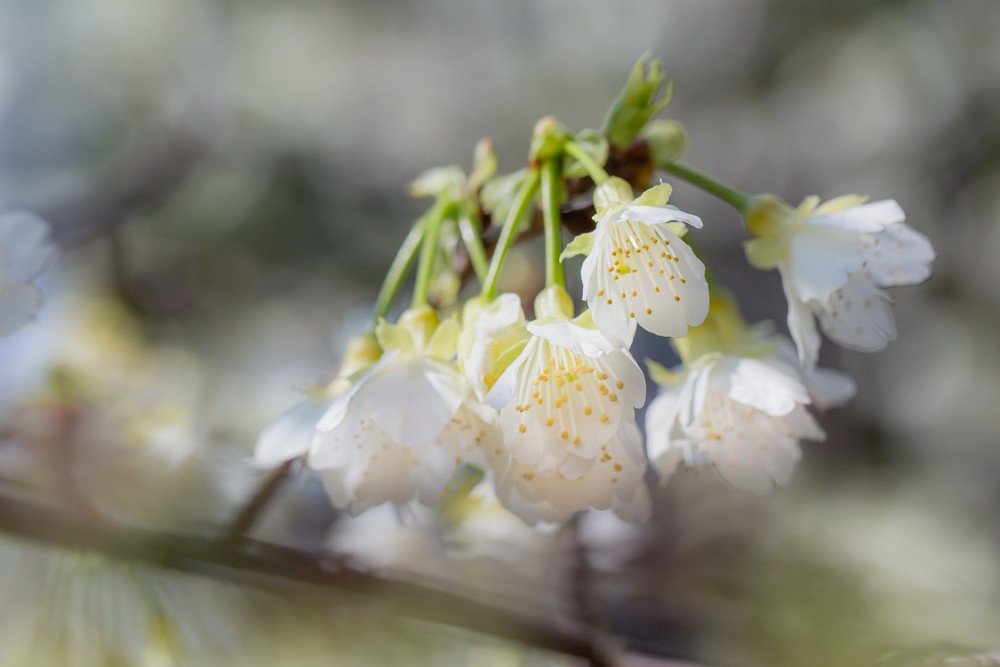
(543, 408)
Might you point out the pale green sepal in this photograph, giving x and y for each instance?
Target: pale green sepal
(594, 145)
(581, 244)
(841, 203)
(484, 164)
(662, 375)
(393, 336)
(766, 253)
(612, 192)
(444, 341)
(658, 195)
(768, 215)
(678, 228)
(585, 320)
(443, 182)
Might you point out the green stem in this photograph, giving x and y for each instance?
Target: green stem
(738, 200)
(508, 234)
(597, 173)
(429, 250)
(551, 198)
(400, 268)
(472, 236)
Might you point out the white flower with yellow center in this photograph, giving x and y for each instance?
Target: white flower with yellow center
(834, 260)
(26, 251)
(401, 430)
(638, 271)
(566, 395)
(738, 406)
(612, 481)
(493, 334)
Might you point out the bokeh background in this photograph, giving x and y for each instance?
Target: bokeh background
(228, 180)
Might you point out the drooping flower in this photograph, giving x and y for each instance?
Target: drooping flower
(737, 405)
(613, 481)
(401, 430)
(835, 259)
(291, 434)
(638, 271)
(493, 334)
(566, 395)
(26, 251)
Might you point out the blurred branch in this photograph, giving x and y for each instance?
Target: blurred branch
(256, 563)
(254, 508)
(146, 184)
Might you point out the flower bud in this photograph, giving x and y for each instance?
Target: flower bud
(553, 302)
(613, 191)
(667, 141)
(643, 96)
(548, 139)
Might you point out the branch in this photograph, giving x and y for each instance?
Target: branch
(256, 563)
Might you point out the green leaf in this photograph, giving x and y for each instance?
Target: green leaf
(645, 94)
(594, 145)
(580, 245)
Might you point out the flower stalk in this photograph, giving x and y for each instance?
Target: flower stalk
(429, 249)
(551, 198)
(508, 233)
(738, 200)
(472, 236)
(596, 172)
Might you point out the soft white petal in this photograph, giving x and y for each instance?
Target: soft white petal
(656, 215)
(19, 302)
(899, 255)
(858, 316)
(291, 434)
(766, 385)
(577, 339)
(801, 324)
(873, 217)
(820, 261)
(829, 388)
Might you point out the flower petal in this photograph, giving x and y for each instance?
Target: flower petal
(899, 255)
(873, 217)
(858, 316)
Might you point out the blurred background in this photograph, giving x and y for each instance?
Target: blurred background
(228, 181)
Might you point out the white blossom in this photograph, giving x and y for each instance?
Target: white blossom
(401, 430)
(565, 397)
(638, 271)
(741, 416)
(835, 259)
(26, 251)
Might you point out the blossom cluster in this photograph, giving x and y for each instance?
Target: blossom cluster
(543, 409)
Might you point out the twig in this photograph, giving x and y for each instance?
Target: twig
(247, 517)
(260, 563)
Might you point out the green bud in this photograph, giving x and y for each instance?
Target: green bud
(667, 141)
(594, 145)
(643, 96)
(553, 302)
(611, 192)
(441, 182)
(548, 139)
